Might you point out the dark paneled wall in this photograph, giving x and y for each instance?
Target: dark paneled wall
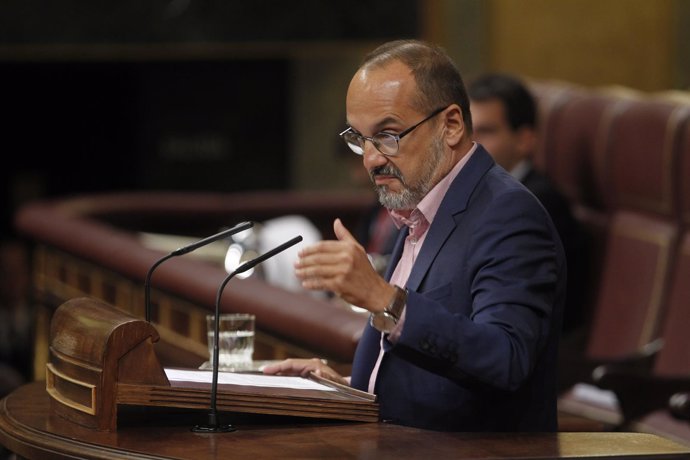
(135, 21)
(75, 127)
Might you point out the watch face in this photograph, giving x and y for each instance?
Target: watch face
(384, 321)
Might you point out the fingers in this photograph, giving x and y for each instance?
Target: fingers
(324, 264)
(345, 239)
(331, 375)
(327, 247)
(302, 367)
(342, 233)
(322, 284)
(340, 266)
(325, 272)
(287, 367)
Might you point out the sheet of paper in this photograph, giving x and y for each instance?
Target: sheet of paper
(257, 380)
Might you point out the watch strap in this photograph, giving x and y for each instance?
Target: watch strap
(397, 304)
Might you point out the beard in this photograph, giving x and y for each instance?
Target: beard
(412, 193)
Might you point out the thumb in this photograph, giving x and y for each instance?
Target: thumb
(342, 233)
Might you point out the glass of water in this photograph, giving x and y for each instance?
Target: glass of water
(235, 340)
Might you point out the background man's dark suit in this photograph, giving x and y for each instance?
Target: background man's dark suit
(573, 243)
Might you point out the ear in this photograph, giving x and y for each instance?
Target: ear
(454, 125)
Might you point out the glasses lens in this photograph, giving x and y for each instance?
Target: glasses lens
(353, 141)
(355, 148)
(386, 143)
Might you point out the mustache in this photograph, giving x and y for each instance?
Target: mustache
(386, 170)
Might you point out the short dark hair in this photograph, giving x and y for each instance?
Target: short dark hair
(438, 79)
(512, 92)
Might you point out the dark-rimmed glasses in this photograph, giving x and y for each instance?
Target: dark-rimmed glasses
(386, 143)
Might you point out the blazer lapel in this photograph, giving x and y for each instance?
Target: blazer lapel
(453, 204)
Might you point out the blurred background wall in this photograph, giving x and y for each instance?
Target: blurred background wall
(237, 95)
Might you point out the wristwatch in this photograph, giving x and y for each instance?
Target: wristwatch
(384, 321)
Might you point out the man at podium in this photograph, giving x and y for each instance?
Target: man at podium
(464, 327)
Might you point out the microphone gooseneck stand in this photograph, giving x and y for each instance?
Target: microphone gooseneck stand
(213, 425)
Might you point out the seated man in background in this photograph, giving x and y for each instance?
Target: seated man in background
(504, 117)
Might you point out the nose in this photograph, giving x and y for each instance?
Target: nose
(372, 157)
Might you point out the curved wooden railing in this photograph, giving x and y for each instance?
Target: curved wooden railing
(90, 246)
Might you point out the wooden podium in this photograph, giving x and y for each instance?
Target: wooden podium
(102, 359)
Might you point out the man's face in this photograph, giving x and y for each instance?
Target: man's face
(380, 100)
(492, 130)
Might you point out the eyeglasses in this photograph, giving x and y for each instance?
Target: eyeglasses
(386, 143)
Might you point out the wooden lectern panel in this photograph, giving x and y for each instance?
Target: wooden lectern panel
(102, 358)
(93, 347)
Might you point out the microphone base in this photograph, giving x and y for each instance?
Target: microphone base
(213, 425)
(221, 428)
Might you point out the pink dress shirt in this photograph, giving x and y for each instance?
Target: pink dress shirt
(418, 221)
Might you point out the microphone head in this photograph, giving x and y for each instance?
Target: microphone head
(252, 263)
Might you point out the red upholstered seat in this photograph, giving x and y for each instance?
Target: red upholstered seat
(683, 175)
(575, 142)
(642, 154)
(639, 171)
(673, 359)
(630, 305)
(633, 285)
(575, 134)
(550, 98)
(644, 396)
(638, 162)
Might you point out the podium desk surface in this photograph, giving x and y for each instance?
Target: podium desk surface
(28, 428)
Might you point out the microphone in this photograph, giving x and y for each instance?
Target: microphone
(213, 425)
(184, 250)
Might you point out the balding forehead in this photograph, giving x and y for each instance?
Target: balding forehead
(394, 65)
(390, 77)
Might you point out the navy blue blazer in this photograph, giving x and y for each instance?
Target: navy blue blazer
(479, 344)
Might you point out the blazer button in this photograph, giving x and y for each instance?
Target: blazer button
(424, 345)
